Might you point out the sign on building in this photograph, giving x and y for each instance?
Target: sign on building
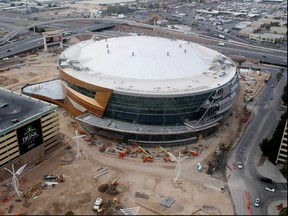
(29, 136)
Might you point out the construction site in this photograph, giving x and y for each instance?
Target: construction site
(129, 179)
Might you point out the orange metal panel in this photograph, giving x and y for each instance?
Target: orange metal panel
(96, 106)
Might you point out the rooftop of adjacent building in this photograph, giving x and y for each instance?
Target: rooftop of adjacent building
(16, 109)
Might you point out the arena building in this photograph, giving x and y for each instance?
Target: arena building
(147, 89)
(29, 130)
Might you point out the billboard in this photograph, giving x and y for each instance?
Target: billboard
(29, 136)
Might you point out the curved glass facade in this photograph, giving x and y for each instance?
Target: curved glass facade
(167, 110)
(155, 111)
(173, 110)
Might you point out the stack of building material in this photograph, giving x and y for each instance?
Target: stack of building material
(167, 202)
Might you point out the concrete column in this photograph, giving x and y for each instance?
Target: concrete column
(45, 43)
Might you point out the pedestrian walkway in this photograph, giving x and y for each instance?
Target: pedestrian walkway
(269, 170)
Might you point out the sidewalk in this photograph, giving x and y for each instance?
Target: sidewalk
(271, 171)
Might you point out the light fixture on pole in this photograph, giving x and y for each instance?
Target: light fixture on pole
(15, 182)
(178, 166)
(78, 145)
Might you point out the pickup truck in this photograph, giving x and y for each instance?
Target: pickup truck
(97, 204)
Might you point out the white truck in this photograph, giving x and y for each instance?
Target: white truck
(97, 204)
(222, 36)
(221, 44)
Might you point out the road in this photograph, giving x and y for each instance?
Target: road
(266, 115)
(231, 47)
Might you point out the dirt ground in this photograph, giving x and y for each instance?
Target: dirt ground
(80, 190)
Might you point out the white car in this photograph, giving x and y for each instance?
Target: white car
(97, 204)
(239, 164)
(270, 189)
(257, 202)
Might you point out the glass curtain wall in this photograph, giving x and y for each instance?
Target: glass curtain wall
(156, 111)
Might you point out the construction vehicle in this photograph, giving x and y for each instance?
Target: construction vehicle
(50, 177)
(185, 151)
(98, 204)
(60, 179)
(53, 178)
(194, 151)
(116, 203)
(112, 188)
(122, 154)
(104, 208)
(81, 131)
(145, 155)
(115, 151)
(102, 147)
(166, 154)
(128, 150)
(148, 159)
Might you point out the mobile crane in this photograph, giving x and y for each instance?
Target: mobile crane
(166, 156)
(145, 155)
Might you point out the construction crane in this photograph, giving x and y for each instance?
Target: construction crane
(166, 156)
(145, 155)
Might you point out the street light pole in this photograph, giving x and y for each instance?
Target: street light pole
(78, 144)
(178, 166)
(15, 182)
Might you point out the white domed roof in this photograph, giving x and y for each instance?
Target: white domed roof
(147, 65)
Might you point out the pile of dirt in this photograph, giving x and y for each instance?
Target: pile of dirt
(103, 188)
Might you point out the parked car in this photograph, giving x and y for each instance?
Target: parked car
(270, 189)
(239, 164)
(97, 204)
(15, 121)
(257, 202)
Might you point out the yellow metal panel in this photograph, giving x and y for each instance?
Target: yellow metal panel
(51, 135)
(43, 120)
(49, 121)
(85, 98)
(16, 154)
(54, 125)
(50, 145)
(13, 145)
(50, 131)
(12, 151)
(7, 136)
(7, 142)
